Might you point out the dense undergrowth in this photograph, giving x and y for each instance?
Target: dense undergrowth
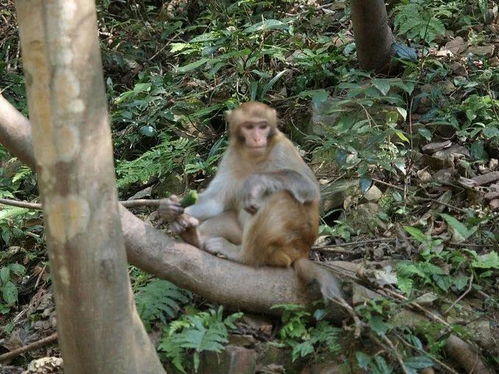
(394, 156)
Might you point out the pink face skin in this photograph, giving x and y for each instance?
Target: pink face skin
(255, 137)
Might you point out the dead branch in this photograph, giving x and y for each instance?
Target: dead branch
(29, 347)
(127, 203)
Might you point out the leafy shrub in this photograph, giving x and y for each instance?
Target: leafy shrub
(360, 130)
(303, 336)
(417, 21)
(8, 276)
(203, 331)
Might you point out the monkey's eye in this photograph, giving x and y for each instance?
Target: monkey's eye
(263, 126)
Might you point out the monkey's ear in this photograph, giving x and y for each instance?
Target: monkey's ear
(227, 114)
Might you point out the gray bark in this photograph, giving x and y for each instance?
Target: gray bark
(98, 327)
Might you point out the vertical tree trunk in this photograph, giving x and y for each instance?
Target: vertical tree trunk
(99, 330)
(373, 36)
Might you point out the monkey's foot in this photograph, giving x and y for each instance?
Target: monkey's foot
(221, 247)
(183, 223)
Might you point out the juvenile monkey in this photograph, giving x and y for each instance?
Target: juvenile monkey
(262, 207)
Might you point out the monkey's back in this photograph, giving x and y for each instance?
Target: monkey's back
(282, 231)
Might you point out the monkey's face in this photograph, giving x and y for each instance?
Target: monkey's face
(255, 136)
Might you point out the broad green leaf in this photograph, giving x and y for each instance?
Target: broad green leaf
(425, 133)
(400, 164)
(8, 212)
(17, 269)
(406, 285)
(487, 261)
(9, 293)
(268, 24)
(363, 359)
(416, 234)
(193, 65)
(177, 47)
(402, 112)
(379, 326)
(418, 362)
(208, 36)
(460, 231)
(365, 183)
(401, 135)
(4, 275)
(491, 131)
(383, 85)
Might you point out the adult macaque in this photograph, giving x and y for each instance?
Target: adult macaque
(262, 207)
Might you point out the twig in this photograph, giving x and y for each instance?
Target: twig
(332, 249)
(425, 311)
(450, 206)
(20, 204)
(390, 350)
(462, 296)
(356, 320)
(140, 202)
(360, 242)
(126, 203)
(29, 347)
(388, 184)
(439, 362)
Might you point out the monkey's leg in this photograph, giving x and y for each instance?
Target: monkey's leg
(225, 225)
(311, 272)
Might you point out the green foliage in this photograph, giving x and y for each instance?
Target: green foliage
(365, 133)
(476, 117)
(158, 300)
(203, 331)
(9, 275)
(12, 222)
(417, 21)
(374, 364)
(305, 336)
(444, 269)
(162, 160)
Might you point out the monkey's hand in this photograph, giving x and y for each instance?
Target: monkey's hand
(253, 192)
(183, 223)
(170, 209)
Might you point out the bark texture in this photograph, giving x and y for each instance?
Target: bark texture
(373, 36)
(98, 327)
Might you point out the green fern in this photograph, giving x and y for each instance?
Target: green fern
(160, 161)
(160, 299)
(204, 331)
(418, 22)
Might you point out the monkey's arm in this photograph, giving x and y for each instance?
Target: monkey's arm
(212, 201)
(259, 185)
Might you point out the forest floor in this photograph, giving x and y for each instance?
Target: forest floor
(408, 165)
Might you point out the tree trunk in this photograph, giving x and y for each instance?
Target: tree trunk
(373, 36)
(98, 326)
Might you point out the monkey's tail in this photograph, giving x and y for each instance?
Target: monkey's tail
(310, 272)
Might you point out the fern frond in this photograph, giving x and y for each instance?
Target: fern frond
(160, 299)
